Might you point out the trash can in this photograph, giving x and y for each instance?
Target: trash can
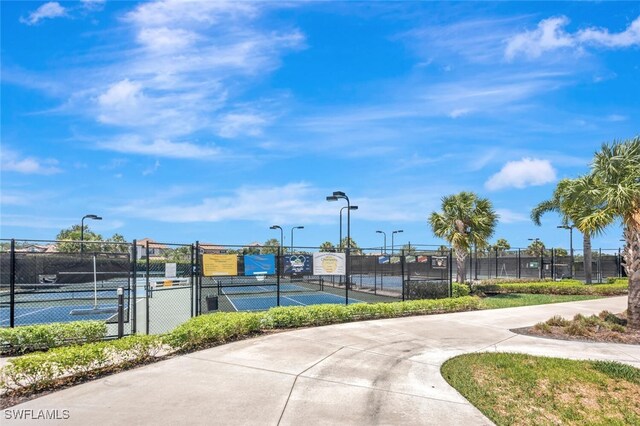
(212, 303)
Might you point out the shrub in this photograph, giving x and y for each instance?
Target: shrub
(461, 290)
(39, 370)
(557, 321)
(42, 370)
(576, 328)
(543, 327)
(426, 289)
(550, 287)
(29, 338)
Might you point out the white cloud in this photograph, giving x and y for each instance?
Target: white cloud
(509, 216)
(161, 148)
(616, 117)
(459, 112)
(521, 174)
(46, 11)
(151, 169)
(166, 40)
(11, 161)
(550, 35)
(235, 124)
(297, 202)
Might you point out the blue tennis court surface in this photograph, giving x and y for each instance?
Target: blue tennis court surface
(229, 290)
(261, 303)
(47, 314)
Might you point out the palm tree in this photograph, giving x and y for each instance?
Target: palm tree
(565, 201)
(615, 184)
(465, 220)
(327, 246)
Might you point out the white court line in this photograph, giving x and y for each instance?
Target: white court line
(232, 304)
(33, 312)
(293, 300)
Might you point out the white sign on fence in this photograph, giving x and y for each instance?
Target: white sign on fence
(329, 264)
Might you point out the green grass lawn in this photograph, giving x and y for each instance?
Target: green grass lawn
(516, 389)
(513, 300)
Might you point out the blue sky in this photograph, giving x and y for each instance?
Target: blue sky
(212, 121)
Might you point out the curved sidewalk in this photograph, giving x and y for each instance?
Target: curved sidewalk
(364, 373)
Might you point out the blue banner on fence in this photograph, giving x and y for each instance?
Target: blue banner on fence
(298, 264)
(383, 259)
(259, 264)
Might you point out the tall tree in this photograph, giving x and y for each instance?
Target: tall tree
(615, 185)
(465, 220)
(354, 246)
(66, 236)
(270, 246)
(501, 246)
(536, 248)
(572, 203)
(327, 246)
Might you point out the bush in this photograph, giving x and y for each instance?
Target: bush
(40, 370)
(213, 329)
(568, 287)
(426, 289)
(461, 290)
(29, 338)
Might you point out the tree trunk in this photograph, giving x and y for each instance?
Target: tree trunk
(586, 246)
(632, 260)
(461, 270)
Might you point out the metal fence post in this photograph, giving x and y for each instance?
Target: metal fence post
(191, 266)
(198, 281)
(12, 285)
(133, 289)
(121, 312)
(402, 272)
(553, 268)
(619, 265)
(450, 272)
(278, 259)
(519, 266)
(496, 264)
(600, 265)
(146, 287)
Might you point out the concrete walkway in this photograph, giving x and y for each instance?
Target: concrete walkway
(376, 372)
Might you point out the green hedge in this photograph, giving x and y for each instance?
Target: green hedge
(29, 338)
(555, 287)
(42, 370)
(213, 329)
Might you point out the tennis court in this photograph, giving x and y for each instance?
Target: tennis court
(39, 304)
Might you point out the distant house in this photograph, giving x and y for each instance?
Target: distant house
(156, 250)
(210, 248)
(38, 248)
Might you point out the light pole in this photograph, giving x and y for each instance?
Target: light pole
(88, 216)
(345, 207)
(295, 227)
(337, 195)
(392, 235)
(281, 233)
(385, 240)
(570, 228)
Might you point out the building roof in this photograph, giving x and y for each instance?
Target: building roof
(152, 243)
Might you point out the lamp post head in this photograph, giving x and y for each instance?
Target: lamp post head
(379, 232)
(353, 208)
(398, 231)
(299, 227)
(92, 216)
(332, 198)
(275, 227)
(339, 194)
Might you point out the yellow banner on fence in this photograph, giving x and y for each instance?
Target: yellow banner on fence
(219, 264)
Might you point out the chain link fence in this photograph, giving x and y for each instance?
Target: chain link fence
(165, 284)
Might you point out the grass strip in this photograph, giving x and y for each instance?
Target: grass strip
(517, 389)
